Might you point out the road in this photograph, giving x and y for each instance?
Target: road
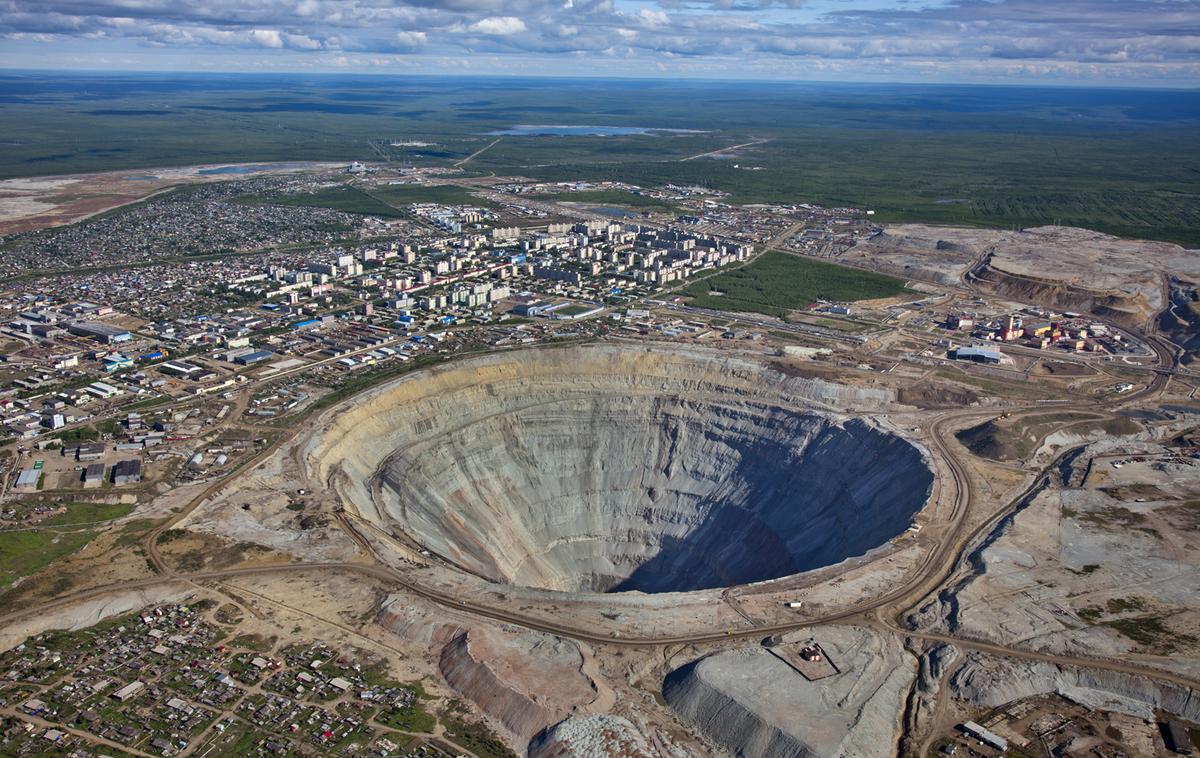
(477, 153)
(724, 150)
(950, 536)
(86, 736)
(940, 562)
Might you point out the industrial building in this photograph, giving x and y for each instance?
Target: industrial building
(93, 475)
(985, 736)
(127, 472)
(978, 354)
(89, 451)
(253, 357)
(28, 479)
(102, 332)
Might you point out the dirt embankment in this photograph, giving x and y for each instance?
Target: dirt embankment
(1123, 308)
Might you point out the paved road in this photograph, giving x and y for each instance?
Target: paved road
(724, 150)
(475, 154)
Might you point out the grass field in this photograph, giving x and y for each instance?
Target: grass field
(574, 310)
(88, 513)
(345, 198)
(778, 282)
(25, 553)
(407, 194)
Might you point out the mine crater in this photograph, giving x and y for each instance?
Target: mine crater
(588, 470)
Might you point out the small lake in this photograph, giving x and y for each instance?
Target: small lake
(231, 170)
(248, 169)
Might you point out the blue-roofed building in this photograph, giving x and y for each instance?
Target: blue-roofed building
(255, 357)
(116, 362)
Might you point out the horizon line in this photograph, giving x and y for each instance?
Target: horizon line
(623, 78)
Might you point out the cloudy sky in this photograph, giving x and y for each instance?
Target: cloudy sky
(1109, 42)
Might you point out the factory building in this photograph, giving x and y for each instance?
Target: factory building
(253, 357)
(978, 354)
(28, 479)
(985, 736)
(89, 451)
(93, 475)
(102, 332)
(127, 472)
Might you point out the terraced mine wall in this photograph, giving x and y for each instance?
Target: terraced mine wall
(609, 469)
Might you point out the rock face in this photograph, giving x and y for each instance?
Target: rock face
(992, 682)
(753, 704)
(1085, 570)
(599, 736)
(527, 681)
(610, 469)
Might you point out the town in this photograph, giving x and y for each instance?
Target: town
(180, 678)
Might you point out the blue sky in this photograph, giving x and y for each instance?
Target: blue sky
(1097, 42)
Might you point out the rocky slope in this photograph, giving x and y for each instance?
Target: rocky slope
(753, 704)
(599, 736)
(995, 681)
(525, 680)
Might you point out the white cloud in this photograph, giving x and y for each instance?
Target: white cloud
(653, 18)
(499, 26)
(266, 38)
(1105, 36)
(411, 40)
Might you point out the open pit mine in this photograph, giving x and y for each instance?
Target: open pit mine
(645, 549)
(603, 470)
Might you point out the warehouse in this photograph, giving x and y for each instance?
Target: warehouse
(28, 479)
(127, 472)
(93, 475)
(102, 390)
(253, 357)
(129, 691)
(102, 332)
(179, 368)
(978, 354)
(984, 736)
(89, 451)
